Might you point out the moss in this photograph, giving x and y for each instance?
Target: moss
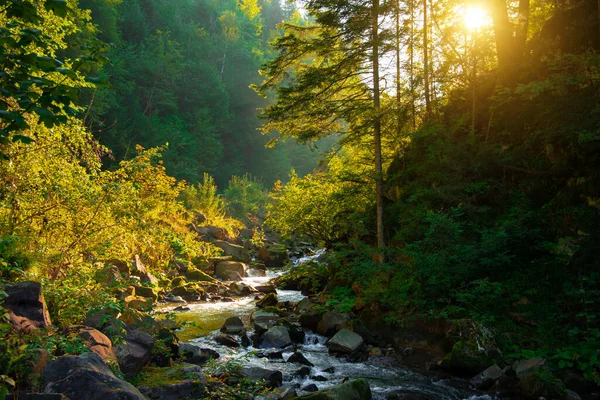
(197, 275)
(354, 390)
(155, 376)
(178, 281)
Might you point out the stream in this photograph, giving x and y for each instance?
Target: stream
(385, 375)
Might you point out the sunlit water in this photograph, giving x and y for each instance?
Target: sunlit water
(384, 375)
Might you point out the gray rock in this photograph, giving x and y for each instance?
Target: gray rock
(134, 353)
(274, 378)
(486, 379)
(264, 320)
(345, 341)
(299, 358)
(277, 336)
(266, 289)
(86, 377)
(331, 322)
(303, 305)
(226, 340)
(196, 354)
(233, 326)
(525, 367)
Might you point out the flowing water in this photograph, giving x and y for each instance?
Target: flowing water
(385, 375)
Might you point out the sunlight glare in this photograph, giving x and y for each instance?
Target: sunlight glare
(475, 18)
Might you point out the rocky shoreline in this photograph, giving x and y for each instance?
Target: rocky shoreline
(120, 347)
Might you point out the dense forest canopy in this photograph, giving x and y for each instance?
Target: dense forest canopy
(445, 152)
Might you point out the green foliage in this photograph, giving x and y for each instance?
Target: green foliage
(204, 197)
(246, 197)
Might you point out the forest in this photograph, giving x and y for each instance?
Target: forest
(397, 195)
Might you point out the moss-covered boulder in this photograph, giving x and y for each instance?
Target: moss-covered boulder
(188, 292)
(195, 275)
(147, 292)
(472, 348)
(358, 389)
(270, 300)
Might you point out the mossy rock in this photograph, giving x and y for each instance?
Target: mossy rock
(541, 383)
(196, 275)
(467, 357)
(269, 300)
(147, 292)
(188, 291)
(354, 390)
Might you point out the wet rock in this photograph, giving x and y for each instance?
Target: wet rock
(264, 320)
(277, 336)
(134, 353)
(182, 308)
(486, 379)
(345, 341)
(237, 252)
(303, 372)
(189, 292)
(227, 269)
(273, 378)
(233, 326)
(352, 390)
(196, 354)
(227, 340)
(171, 298)
(319, 378)
(271, 355)
(296, 334)
(77, 377)
(299, 358)
(191, 384)
(310, 388)
(331, 322)
(270, 300)
(266, 289)
(240, 289)
(37, 396)
(257, 272)
(26, 306)
(329, 370)
(245, 340)
(403, 395)
(97, 342)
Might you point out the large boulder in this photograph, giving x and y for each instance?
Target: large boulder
(217, 233)
(179, 382)
(97, 342)
(273, 255)
(266, 289)
(86, 377)
(238, 253)
(473, 348)
(197, 354)
(264, 320)
(331, 322)
(277, 336)
(26, 306)
(135, 351)
(145, 292)
(233, 326)
(195, 275)
(270, 300)
(296, 333)
(273, 378)
(139, 269)
(353, 390)
(345, 341)
(225, 270)
(487, 378)
(299, 358)
(311, 318)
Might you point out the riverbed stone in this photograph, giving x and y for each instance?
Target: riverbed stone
(353, 390)
(270, 300)
(525, 367)
(299, 358)
(26, 306)
(233, 326)
(79, 377)
(277, 336)
(227, 340)
(195, 275)
(97, 342)
(266, 289)
(134, 353)
(345, 341)
(197, 354)
(486, 379)
(273, 378)
(296, 333)
(311, 318)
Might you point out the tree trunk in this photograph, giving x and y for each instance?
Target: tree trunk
(522, 27)
(426, 60)
(504, 39)
(412, 65)
(398, 69)
(377, 132)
